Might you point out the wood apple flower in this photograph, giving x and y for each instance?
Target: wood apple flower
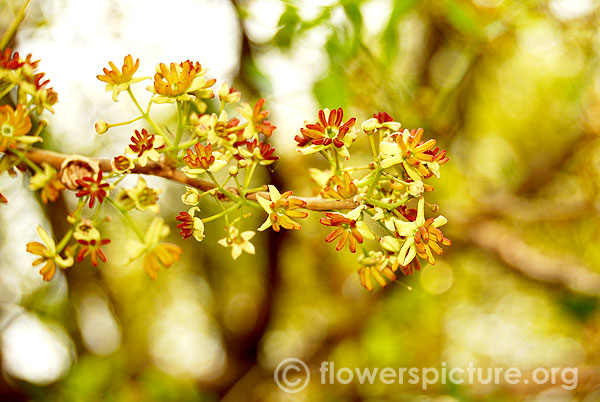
(145, 146)
(203, 160)
(120, 80)
(257, 120)
(281, 209)
(48, 255)
(15, 124)
(94, 188)
(326, 131)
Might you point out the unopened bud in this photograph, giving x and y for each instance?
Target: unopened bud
(416, 188)
(101, 126)
(369, 126)
(233, 170)
(242, 163)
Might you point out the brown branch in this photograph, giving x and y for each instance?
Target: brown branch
(161, 169)
(524, 258)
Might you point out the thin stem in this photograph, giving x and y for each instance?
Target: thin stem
(129, 220)
(97, 213)
(225, 212)
(63, 242)
(179, 125)
(337, 161)
(239, 187)
(15, 24)
(23, 157)
(228, 194)
(126, 122)
(77, 214)
(249, 174)
(384, 205)
(146, 116)
(7, 90)
(374, 180)
(373, 147)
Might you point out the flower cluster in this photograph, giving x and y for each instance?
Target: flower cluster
(22, 85)
(375, 209)
(29, 84)
(394, 180)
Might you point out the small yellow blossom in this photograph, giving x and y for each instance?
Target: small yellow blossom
(156, 254)
(238, 241)
(118, 81)
(48, 255)
(281, 209)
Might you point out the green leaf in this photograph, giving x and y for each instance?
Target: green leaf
(463, 18)
(288, 24)
(352, 10)
(331, 91)
(390, 33)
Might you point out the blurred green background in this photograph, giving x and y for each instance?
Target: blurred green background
(510, 88)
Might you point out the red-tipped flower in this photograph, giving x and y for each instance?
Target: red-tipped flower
(92, 248)
(95, 188)
(327, 130)
(346, 231)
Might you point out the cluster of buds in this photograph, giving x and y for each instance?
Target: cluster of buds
(376, 209)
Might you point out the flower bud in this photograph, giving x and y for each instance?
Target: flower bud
(227, 94)
(416, 188)
(242, 163)
(101, 126)
(121, 163)
(191, 196)
(369, 126)
(233, 170)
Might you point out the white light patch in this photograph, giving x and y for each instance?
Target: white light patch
(571, 9)
(376, 14)
(81, 37)
(183, 342)
(101, 333)
(36, 351)
(263, 17)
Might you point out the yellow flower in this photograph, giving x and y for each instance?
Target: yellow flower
(191, 225)
(184, 81)
(47, 181)
(380, 120)
(145, 146)
(48, 255)
(227, 94)
(118, 81)
(376, 266)
(406, 148)
(142, 197)
(203, 160)
(238, 241)
(191, 196)
(14, 126)
(156, 254)
(121, 164)
(422, 237)
(281, 210)
(257, 120)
